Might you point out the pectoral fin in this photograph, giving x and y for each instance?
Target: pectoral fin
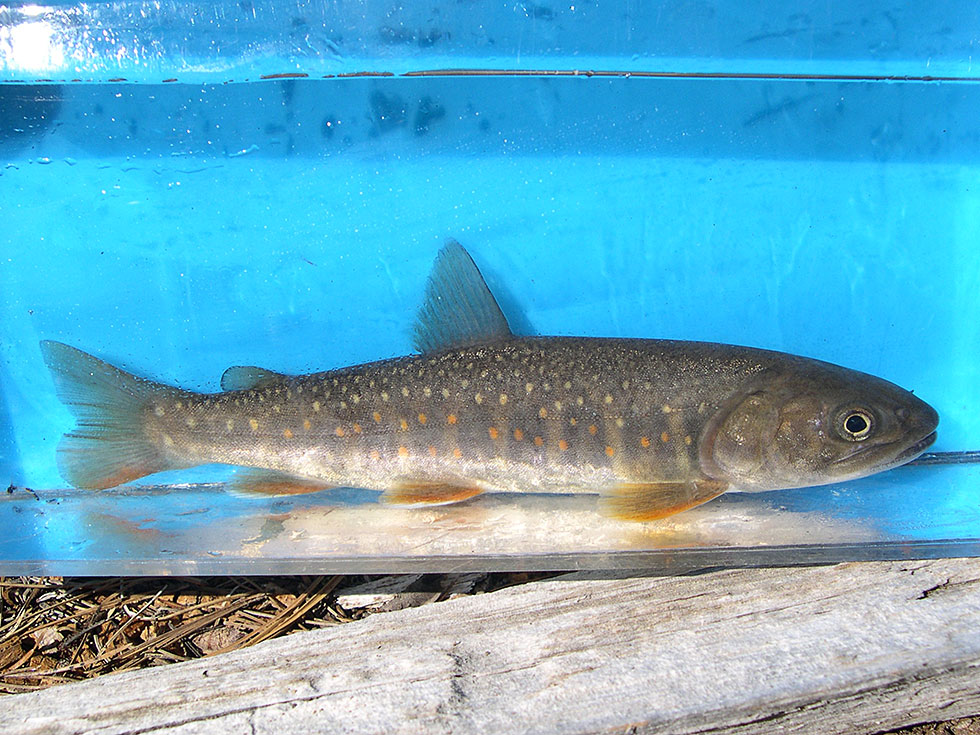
(270, 482)
(653, 501)
(427, 493)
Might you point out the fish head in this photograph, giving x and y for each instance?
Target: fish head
(816, 425)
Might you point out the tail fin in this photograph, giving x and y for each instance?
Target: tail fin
(109, 445)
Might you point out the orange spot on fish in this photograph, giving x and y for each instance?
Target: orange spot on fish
(357, 428)
(573, 421)
(493, 432)
(339, 431)
(287, 433)
(543, 413)
(375, 454)
(562, 444)
(457, 453)
(593, 429)
(610, 451)
(422, 419)
(404, 424)
(644, 442)
(306, 424)
(432, 451)
(451, 418)
(687, 440)
(402, 451)
(518, 434)
(377, 417)
(665, 437)
(538, 441)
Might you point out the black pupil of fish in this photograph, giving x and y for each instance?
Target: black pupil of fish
(856, 424)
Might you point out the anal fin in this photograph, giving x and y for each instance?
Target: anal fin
(427, 493)
(271, 482)
(653, 501)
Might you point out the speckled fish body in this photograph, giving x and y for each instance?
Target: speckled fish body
(654, 426)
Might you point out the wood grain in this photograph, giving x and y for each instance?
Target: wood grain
(854, 648)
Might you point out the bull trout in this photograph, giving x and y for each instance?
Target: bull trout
(653, 426)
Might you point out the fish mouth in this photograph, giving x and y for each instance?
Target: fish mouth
(888, 461)
(916, 449)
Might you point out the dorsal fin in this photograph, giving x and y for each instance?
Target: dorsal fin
(458, 309)
(249, 377)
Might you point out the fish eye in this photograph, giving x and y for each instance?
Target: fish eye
(856, 424)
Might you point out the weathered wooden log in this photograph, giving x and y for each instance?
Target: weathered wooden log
(854, 648)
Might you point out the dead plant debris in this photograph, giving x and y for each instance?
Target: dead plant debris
(55, 630)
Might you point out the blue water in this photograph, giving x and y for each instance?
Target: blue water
(177, 229)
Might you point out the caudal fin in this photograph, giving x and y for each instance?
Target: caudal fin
(109, 445)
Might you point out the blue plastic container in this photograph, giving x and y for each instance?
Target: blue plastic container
(187, 186)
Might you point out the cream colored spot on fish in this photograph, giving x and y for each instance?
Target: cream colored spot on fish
(619, 423)
(316, 406)
(478, 398)
(375, 454)
(405, 391)
(168, 440)
(518, 434)
(451, 418)
(339, 431)
(230, 424)
(665, 437)
(558, 406)
(355, 398)
(179, 404)
(404, 424)
(384, 396)
(503, 399)
(484, 373)
(499, 358)
(528, 387)
(562, 444)
(159, 411)
(580, 400)
(702, 407)
(287, 433)
(547, 386)
(371, 383)
(306, 424)
(254, 424)
(191, 422)
(610, 451)
(644, 442)
(427, 391)
(538, 441)
(568, 385)
(277, 409)
(445, 392)
(666, 409)
(422, 419)
(493, 432)
(608, 399)
(402, 451)
(626, 385)
(573, 421)
(465, 383)
(543, 413)
(687, 440)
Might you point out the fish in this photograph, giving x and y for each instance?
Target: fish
(653, 427)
